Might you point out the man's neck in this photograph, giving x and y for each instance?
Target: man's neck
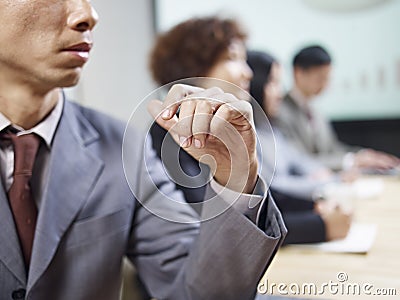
(299, 97)
(26, 108)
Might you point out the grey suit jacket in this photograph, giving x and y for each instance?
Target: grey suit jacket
(89, 220)
(318, 140)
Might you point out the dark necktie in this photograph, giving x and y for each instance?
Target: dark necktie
(311, 122)
(20, 196)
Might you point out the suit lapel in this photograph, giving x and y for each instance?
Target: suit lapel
(10, 251)
(73, 172)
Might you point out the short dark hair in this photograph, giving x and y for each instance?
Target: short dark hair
(191, 48)
(312, 56)
(261, 64)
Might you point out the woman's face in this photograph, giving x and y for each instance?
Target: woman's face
(232, 67)
(273, 91)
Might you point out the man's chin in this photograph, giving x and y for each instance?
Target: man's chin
(318, 92)
(70, 80)
(69, 84)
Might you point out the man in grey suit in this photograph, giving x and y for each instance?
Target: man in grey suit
(90, 213)
(307, 129)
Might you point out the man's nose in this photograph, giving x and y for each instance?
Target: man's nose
(82, 16)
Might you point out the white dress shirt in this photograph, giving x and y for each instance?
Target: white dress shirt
(46, 130)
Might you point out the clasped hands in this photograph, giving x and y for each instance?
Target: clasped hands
(215, 128)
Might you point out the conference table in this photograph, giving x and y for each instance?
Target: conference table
(301, 272)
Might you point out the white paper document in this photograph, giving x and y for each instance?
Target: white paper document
(367, 188)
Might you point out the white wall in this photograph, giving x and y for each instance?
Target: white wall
(116, 79)
(365, 45)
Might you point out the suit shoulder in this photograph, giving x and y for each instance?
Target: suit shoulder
(105, 125)
(288, 103)
(289, 110)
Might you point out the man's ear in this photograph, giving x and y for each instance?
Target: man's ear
(297, 71)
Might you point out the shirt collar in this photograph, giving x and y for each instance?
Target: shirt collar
(45, 129)
(4, 122)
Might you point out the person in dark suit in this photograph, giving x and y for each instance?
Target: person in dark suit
(309, 130)
(71, 215)
(298, 178)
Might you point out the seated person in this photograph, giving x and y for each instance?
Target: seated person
(222, 57)
(309, 130)
(204, 47)
(70, 216)
(297, 177)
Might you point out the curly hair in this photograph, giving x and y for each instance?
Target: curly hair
(191, 48)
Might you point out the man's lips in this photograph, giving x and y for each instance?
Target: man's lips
(79, 51)
(81, 47)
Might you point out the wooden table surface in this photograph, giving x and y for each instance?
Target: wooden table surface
(378, 269)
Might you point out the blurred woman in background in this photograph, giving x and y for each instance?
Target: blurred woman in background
(199, 47)
(298, 178)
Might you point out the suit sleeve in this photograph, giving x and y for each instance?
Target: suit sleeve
(303, 224)
(304, 227)
(333, 158)
(179, 257)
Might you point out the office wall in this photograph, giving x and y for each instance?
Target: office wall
(364, 43)
(116, 78)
